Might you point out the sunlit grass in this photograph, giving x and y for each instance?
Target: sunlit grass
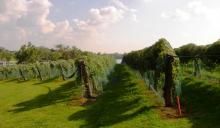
(125, 103)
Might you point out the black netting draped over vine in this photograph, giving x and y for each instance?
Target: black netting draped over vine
(196, 68)
(159, 68)
(96, 67)
(40, 70)
(99, 68)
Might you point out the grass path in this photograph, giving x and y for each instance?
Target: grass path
(202, 102)
(126, 103)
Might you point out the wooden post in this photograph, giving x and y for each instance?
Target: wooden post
(179, 106)
(196, 68)
(168, 81)
(34, 72)
(22, 74)
(40, 75)
(85, 77)
(62, 72)
(6, 75)
(156, 77)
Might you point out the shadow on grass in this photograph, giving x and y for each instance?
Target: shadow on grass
(120, 102)
(61, 94)
(46, 81)
(202, 101)
(12, 80)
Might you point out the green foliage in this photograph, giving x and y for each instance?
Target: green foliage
(209, 54)
(32, 54)
(201, 99)
(156, 58)
(6, 55)
(28, 54)
(190, 50)
(98, 67)
(67, 52)
(43, 70)
(150, 58)
(214, 52)
(125, 103)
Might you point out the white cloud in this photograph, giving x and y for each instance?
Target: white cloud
(120, 5)
(105, 15)
(7, 12)
(130, 11)
(177, 14)
(101, 18)
(28, 20)
(133, 15)
(146, 1)
(197, 7)
(194, 9)
(26, 14)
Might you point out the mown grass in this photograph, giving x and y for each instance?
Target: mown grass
(125, 103)
(201, 97)
(202, 102)
(34, 104)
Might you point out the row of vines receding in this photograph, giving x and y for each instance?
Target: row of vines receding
(158, 65)
(91, 74)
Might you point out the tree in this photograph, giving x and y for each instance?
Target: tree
(67, 52)
(187, 52)
(213, 52)
(6, 55)
(159, 58)
(28, 54)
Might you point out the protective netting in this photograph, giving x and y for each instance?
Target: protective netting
(156, 83)
(96, 68)
(197, 69)
(99, 68)
(159, 67)
(193, 69)
(42, 71)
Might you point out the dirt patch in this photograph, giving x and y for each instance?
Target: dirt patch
(171, 113)
(80, 101)
(85, 101)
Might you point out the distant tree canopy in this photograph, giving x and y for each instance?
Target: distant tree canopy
(190, 50)
(150, 58)
(6, 55)
(67, 52)
(161, 59)
(209, 54)
(29, 53)
(214, 52)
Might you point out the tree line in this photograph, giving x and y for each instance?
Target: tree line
(29, 53)
(209, 54)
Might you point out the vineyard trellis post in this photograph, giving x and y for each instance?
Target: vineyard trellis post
(85, 76)
(197, 70)
(22, 74)
(156, 77)
(168, 81)
(61, 71)
(39, 72)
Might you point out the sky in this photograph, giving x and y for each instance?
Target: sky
(108, 25)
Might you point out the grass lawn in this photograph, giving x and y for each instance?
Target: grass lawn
(202, 102)
(126, 103)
